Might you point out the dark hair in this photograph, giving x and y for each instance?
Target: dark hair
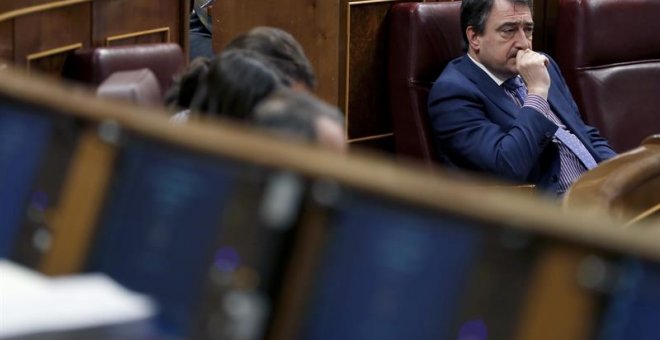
(281, 49)
(237, 80)
(475, 13)
(185, 84)
(294, 113)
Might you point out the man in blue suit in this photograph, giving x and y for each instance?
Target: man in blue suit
(504, 109)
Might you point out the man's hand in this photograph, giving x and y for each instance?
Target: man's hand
(532, 67)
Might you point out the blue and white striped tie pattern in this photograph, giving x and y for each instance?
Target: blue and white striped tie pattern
(577, 147)
(517, 87)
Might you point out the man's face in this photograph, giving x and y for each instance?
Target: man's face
(508, 29)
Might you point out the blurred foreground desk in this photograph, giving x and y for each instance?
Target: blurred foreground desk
(238, 235)
(144, 330)
(625, 187)
(34, 304)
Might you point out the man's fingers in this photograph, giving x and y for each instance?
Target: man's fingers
(532, 57)
(545, 60)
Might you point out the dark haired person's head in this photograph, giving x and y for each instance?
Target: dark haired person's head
(301, 115)
(237, 80)
(282, 51)
(495, 31)
(181, 94)
(475, 13)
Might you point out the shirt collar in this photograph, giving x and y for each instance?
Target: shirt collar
(495, 78)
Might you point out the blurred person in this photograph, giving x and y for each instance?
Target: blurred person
(282, 50)
(505, 109)
(272, 58)
(236, 81)
(200, 28)
(180, 95)
(301, 115)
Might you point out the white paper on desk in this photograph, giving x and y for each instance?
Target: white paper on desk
(31, 302)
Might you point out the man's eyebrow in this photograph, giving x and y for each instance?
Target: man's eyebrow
(509, 24)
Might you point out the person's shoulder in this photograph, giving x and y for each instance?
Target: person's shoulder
(452, 77)
(453, 69)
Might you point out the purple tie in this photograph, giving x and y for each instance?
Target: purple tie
(573, 143)
(518, 88)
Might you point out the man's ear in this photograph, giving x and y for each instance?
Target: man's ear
(473, 38)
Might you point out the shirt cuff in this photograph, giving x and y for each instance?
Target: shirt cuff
(537, 103)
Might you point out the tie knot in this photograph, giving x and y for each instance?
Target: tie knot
(513, 84)
(516, 86)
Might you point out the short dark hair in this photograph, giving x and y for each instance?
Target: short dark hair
(475, 13)
(237, 80)
(281, 49)
(185, 84)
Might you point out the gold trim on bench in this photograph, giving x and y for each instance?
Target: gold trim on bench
(47, 53)
(40, 8)
(651, 211)
(368, 138)
(366, 2)
(165, 30)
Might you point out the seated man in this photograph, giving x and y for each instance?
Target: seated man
(504, 109)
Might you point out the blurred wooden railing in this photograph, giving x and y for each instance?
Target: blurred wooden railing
(505, 238)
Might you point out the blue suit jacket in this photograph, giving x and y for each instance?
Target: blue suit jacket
(479, 127)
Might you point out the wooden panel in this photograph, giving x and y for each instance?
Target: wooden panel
(6, 6)
(21, 11)
(51, 61)
(368, 110)
(545, 25)
(7, 40)
(57, 22)
(314, 23)
(120, 17)
(48, 34)
(157, 35)
(346, 41)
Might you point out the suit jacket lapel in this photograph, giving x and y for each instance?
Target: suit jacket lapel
(560, 106)
(495, 93)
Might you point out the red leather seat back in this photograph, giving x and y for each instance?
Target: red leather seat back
(137, 86)
(93, 66)
(424, 37)
(609, 52)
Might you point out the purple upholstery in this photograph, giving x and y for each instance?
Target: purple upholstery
(609, 53)
(93, 66)
(137, 86)
(424, 37)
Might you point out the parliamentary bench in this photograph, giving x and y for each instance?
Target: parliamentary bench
(213, 219)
